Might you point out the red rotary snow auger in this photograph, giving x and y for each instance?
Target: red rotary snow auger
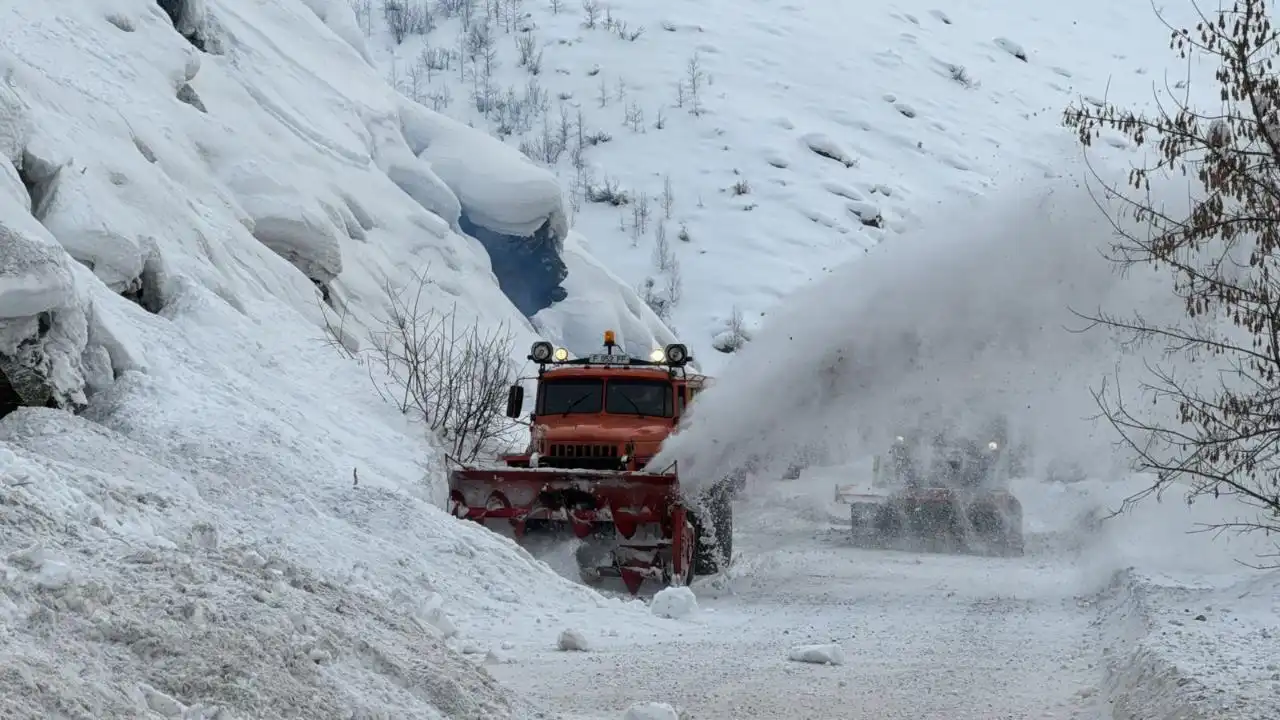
(597, 421)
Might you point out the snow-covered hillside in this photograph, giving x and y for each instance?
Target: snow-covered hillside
(766, 142)
(235, 519)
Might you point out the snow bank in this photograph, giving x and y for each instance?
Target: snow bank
(1186, 653)
(236, 520)
(1187, 632)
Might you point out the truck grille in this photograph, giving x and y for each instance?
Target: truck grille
(592, 452)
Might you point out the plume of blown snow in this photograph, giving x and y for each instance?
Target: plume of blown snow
(977, 313)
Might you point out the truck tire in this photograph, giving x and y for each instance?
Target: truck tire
(715, 513)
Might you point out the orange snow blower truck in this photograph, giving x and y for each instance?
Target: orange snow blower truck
(596, 423)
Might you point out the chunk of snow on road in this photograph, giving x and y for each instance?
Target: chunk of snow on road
(572, 640)
(651, 711)
(674, 603)
(817, 654)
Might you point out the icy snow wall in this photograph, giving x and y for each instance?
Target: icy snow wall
(233, 518)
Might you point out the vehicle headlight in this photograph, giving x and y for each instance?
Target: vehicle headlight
(900, 439)
(658, 356)
(560, 355)
(993, 446)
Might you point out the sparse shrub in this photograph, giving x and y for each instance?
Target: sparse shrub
(626, 33)
(741, 187)
(609, 192)
(653, 296)
(591, 8)
(694, 77)
(640, 216)
(634, 117)
(735, 335)
(363, 10)
(407, 17)
(961, 75)
(663, 257)
(529, 52)
(447, 373)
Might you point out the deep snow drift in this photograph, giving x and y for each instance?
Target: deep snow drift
(235, 520)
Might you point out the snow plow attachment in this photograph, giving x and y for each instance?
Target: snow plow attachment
(941, 519)
(633, 524)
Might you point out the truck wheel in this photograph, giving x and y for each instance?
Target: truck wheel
(715, 513)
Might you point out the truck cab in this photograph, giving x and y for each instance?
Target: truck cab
(607, 411)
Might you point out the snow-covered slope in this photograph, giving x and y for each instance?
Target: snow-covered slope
(770, 140)
(235, 519)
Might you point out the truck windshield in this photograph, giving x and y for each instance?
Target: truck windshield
(561, 397)
(647, 398)
(639, 397)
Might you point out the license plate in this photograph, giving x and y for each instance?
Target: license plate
(609, 359)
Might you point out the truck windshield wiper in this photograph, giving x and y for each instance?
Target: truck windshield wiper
(575, 403)
(632, 403)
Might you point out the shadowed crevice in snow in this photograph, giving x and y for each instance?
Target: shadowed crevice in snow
(146, 289)
(10, 400)
(188, 19)
(529, 269)
(40, 178)
(25, 372)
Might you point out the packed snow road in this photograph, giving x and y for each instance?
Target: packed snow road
(924, 637)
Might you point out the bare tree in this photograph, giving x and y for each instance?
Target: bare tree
(364, 15)
(694, 79)
(452, 377)
(591, 8)
(1223, 262)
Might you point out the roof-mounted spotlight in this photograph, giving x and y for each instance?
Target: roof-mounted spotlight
(541, 352)
(560, 355)
(676, 354)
